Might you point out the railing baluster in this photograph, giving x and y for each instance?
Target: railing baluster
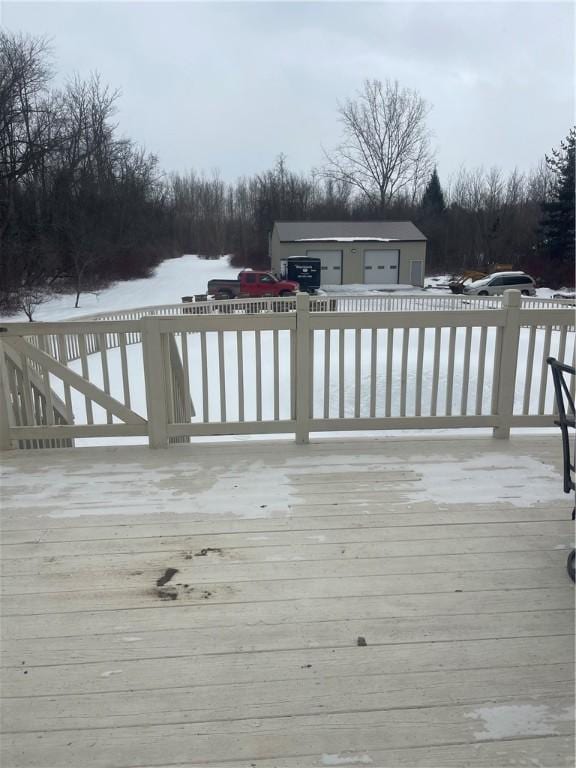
(38, 408)
(529, 364)
(124, 367)
(544, 370)
(86, 375)
(27, 393)
(466, 372)
(481, 368)
(496, 368)
(292, 374)
(63, 358)
(171, 397)
(341, 354)
(373, 369)
(276, 375)
(560, 357)
(205, 383)
(312, 373)
(435, 372)
(572, 379)
(105, 370)
(240, 360)
(389, 358)
(419, 368)
(258, 376)
(357, 370)
(404, 370)
(15, 399)
(48, 401)
(450, 371)
(222, 376)
(186, 371)
(327, 374)
(562, 344)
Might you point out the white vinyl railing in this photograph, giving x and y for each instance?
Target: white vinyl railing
(370, 302)
(68, 348)
(173, 377)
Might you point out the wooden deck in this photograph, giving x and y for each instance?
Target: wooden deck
(360, 603)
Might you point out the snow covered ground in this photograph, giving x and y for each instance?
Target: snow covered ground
(376, 288)
(172, 280)
(189, 275)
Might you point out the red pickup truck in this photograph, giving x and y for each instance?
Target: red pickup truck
(251, 283)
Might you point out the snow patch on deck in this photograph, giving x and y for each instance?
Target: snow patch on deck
(507, 721)
(346, 758)
(67, 490)
(518, 480)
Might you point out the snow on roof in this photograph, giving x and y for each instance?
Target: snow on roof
(294, 231)
(346, 239)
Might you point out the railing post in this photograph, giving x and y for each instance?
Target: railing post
(303, 371)
(504, 384)
(5, 405)
(154, 382)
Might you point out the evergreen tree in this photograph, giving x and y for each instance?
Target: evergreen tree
(430, 218)
(433, 198)
(557, 223)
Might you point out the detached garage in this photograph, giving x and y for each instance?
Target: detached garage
(371, 252)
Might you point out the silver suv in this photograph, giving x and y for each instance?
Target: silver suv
(499, 282)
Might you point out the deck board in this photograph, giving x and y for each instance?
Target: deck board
(290, 554)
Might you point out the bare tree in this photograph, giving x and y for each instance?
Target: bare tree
(30, 299)
(385, 151)
(540, 183)
(515, 188)
(27, 132)
(24, 108)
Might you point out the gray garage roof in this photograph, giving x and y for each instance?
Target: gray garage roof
(343, 231)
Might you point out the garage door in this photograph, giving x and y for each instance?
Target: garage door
(331, 262)
(381, 266)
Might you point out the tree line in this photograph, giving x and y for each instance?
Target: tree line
(81, 206)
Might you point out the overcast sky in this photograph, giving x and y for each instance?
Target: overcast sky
(229, 86)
